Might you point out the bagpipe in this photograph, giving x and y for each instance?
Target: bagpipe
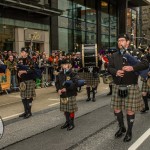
(134, 61)
(35, 71)
(69, 83)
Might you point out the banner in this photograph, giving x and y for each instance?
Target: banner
(5, 80)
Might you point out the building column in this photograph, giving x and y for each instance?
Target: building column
(54, 28)
(19, 39)
(122, 15)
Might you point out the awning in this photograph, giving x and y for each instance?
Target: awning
(137, 3)
(32, 8)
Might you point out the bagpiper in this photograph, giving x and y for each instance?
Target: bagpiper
(27, 84)
(126, 92)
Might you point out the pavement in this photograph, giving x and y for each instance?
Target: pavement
(17, 129)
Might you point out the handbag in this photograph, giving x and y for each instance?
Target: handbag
(123, 91)
(22, 86)
(64, 100)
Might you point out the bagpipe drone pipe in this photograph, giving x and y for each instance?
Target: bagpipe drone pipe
(134, 61)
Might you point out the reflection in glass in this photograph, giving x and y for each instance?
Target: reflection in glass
(66, 6)
(90, 11)
(65, 39)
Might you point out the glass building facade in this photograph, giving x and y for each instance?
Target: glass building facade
(87, 22)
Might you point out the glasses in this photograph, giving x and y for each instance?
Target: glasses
(122, 40)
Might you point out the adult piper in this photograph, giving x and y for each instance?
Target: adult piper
(27, 91)
(126, 92)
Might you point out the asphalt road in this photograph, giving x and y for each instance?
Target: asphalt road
(94, 131)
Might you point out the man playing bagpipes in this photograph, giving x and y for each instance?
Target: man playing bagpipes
(26, 74)
(126, 92)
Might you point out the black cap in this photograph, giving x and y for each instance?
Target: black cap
(25, 49)
(66, 61)
(126, 36)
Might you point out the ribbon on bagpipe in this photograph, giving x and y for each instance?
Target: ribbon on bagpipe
(134, 61)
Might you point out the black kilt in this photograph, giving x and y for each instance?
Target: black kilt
(145, 87)
(30, 90)
(71, 106)
(133, 102)
(90, 80)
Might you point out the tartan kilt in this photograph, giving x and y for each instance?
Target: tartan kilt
(133, 102)
(145, 87)
(90, 80)
(71, 106)
(30, 89)
(81, 75)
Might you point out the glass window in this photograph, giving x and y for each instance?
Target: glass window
(90, 38)
(66, 6)
(90, 11)
(105, 40)
(6, 37)
(65, 39)
(79, 10)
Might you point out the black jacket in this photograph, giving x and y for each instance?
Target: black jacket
(71, 90)
(116, 63)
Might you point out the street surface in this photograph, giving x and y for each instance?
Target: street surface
(95, 125)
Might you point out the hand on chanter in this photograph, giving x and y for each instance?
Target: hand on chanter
(127, 68)
(120, 73)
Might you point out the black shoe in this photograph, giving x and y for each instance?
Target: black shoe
(22, 115)
(93, 99)
(110, 93)
(144, 110)
(65, 125)
(27, 115)
(70, 127)
(120, 132)
(88, 99)
(128, 137)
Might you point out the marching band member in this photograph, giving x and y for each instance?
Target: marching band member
(77, 66)
(67, 89)
(126, 93)
(27, 90)
(145, 88)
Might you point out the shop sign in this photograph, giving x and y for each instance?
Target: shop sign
(34, 35)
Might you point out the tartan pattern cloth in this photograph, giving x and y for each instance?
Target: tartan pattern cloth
(90, 80)
(145, 87)
(30, 90)
(132, 102)
(71, 106)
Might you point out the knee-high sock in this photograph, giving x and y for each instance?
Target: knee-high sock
(130, 121)
(29, 104)
(25, 105)
(88, 91)
(120, 118)
(94, 91)
(145, 101)
(67, 115)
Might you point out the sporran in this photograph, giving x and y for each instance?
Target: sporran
(64, 100)
(123, 91)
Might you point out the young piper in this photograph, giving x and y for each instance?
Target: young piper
(66, 84)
